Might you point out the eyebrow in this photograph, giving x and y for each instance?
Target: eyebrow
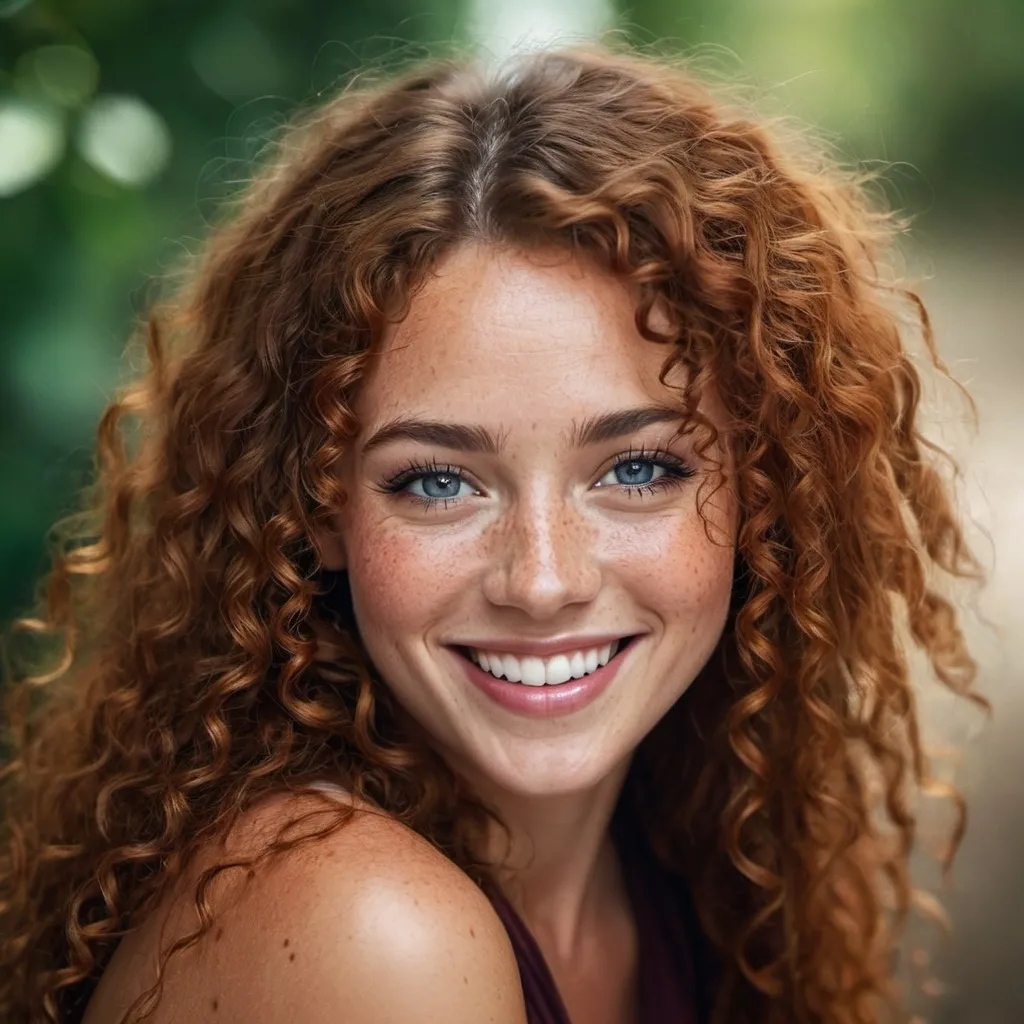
(459, 436)
(611, 425)
(473, 438)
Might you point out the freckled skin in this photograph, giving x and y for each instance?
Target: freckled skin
(534, 546)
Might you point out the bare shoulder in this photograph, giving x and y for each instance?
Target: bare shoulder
(368, 925)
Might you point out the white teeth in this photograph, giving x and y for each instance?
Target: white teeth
(558, 670)
(533, 671)
(545, 671)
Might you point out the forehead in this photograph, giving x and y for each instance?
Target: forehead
(496, 331)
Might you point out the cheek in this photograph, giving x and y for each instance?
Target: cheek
(696, 587)
(679, 572)
(393, 585)
(401, 582)
(693, 586)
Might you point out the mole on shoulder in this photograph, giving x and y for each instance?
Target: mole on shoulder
(286, 941)
(291, 956)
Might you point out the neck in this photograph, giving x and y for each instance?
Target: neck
(558, 865)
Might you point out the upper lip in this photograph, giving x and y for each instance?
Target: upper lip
(545, 648)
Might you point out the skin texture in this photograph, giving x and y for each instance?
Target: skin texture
(542, 540)
(329, 926)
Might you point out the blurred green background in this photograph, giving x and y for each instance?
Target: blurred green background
(123, 123)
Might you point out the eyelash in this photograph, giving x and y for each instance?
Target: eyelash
(676, 472)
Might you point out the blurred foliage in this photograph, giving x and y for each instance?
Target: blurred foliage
(122, 122)
(79, 247)
(936, 87)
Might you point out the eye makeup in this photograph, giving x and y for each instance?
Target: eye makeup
(667, 470)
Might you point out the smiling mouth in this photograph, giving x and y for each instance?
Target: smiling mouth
(553, 671)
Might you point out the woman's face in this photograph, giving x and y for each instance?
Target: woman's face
(517, 491)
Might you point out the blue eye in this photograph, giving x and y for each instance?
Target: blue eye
(633, 473)
(636, 473)
(437, 486)
(430, 484)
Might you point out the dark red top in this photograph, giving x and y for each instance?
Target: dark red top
(670, 992)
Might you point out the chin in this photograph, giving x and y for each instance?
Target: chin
(529, 772)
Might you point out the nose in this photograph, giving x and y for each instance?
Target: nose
(545, 559)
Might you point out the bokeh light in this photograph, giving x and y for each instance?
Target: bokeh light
(235, 59)
(503, 28)
(67, 75)
(125, 139)
(31, 143)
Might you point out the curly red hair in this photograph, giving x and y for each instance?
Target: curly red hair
(179, 611)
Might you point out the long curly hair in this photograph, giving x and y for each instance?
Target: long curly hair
(171, 674)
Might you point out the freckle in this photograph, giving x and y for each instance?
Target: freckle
(218, 935)
(286, 942)
(250, 874)
(215, 1004)
(291, 956)
(472, 933)
(465, 980)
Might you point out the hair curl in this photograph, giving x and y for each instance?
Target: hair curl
(179, 608)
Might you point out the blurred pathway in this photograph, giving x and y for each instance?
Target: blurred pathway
(976, 298)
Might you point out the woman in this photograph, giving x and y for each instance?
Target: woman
(496, 597)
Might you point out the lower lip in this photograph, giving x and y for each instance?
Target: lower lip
(546, 701)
